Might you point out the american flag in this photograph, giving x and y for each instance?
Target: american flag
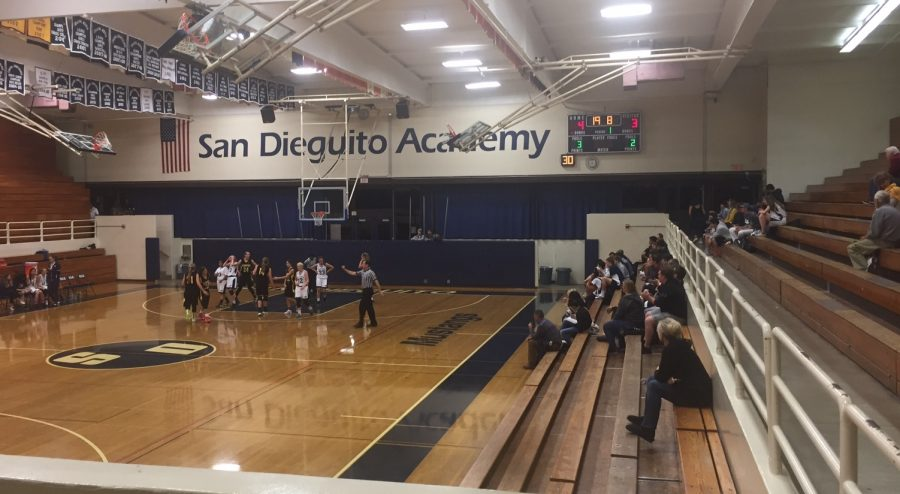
(174, 135)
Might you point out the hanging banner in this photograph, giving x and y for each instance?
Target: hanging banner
(273, 91)
(182, 73)
(196, 76)
(232, 88)
(222, 86)
(243, 89)
(118, 50)
(60, 37)
(92, 93)
(134, 99)
(152, 64)
(61, 81)
(120, 97)
(43, 79)
(39, 30)
(15, 77)
(106, 95)
(2, 75)
(209, 83)
(135, 57)
(168, 69)
(159, 105)
(99, 42)
(169, 102)
(79, 93)
(288, 92)
(17, 25)
(279, 93)
(253, 95)
(81, 37)
(146, 100)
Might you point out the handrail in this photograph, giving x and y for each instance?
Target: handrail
(708, 282)
(17, 232)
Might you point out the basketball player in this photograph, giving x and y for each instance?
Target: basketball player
(230, 280)
(322, 270)
(245, 268)
(263, 275)
(221, 277)
(301, 288)
(191, 293)
(367, 280)
(203, 285)
(288, 287)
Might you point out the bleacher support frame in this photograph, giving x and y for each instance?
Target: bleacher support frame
(722, 301)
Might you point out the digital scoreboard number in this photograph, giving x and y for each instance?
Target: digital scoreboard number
(605, 133)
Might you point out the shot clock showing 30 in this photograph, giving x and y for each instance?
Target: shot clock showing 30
(605, 133)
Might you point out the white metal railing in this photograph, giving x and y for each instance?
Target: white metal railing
(17, 232)
(707, 281)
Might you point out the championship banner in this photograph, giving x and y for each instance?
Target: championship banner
(62, 82)
(196, 80)
(100, 42)
(146, 100)
(168, 69)
(120, 97)
(169, 102)
(135, 57)
(182, 73)
(79, 95)
(92, 93)
(222, 84)
(15, 77)
(118, 50)
(152, 64)
(159, 105)
(209, 83)
(81, 37)
(106, 95)
(17, 25)
(134, 99)
(232, 88)
(2, 75)
(43, 79)
(253, 90)
(243, 90)
(39, 31)
(60, 34)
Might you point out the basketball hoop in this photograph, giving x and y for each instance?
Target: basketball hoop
(101, 142)
(318, 217)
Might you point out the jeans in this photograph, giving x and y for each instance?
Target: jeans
(568, 332)
(613, 330)
(656, 391)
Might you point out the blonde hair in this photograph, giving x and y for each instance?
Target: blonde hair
(669, 329)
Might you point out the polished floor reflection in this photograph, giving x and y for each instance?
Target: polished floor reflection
(307, 396)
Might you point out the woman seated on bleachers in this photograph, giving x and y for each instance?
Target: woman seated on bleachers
(33, 288)
(680, 378)
(628, 318)
(577, 319)
(772, 214)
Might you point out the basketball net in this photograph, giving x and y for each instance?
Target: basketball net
(101, 142)
(318, 217)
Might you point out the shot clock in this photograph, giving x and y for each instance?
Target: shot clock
(604, 133)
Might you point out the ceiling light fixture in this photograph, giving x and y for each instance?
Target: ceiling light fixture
(305, 70)
(483, 85)
(462, 62)
(872, 21)
(210, 96)
(424, 26)
(626, 10)
(629, 54)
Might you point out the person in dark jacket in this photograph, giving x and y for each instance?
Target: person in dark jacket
(578, 318)
(680, 378)
(54, 273)
(627, 319)
(670, 301)
(544, 336)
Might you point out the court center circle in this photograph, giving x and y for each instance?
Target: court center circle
(131, 354)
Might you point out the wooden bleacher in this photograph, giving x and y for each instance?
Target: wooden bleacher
(94, 264)
(31, 186)
(857, 310)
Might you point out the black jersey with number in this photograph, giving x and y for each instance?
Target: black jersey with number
(262, 275)
(245, 268)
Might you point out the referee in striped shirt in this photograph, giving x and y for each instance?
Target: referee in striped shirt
(367, 279)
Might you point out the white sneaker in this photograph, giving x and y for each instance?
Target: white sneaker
(288, 312)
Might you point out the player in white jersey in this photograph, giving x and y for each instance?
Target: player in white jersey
(322, 269)
(230, 278)
(221, 276)
(301, 287)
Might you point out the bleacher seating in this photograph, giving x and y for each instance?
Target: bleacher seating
(31, 186)
(95, 266)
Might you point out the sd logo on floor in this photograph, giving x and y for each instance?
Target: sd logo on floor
(131, 354)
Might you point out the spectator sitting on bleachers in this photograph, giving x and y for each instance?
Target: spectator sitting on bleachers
(723, 210)
(429, 235)
(772, 214)
(623, 268)
(651, 268)
(680, 271)
(419, 235)
(543, 337)
(33, 288)
(577, 319)
(627, 318)
(670, 300)
(884, 233)
(742, 227)
(608, 281)
(884, 181)
(893, 156)
(627, 262)
(680, 378)
(717, 238)
(732, 212)
(649, 249)
(771, 190)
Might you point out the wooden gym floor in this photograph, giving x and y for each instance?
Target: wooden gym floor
(275, 395)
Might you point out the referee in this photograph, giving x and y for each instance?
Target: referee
(367, 279)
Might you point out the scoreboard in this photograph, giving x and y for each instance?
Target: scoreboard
(605, 133)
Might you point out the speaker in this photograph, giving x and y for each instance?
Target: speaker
(268, 113)
(402, 109)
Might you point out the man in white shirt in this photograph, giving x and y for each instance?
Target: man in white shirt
(419, 235)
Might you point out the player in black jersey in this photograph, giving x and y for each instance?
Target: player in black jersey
(263, 275)
(288, 287)
(245, 270)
